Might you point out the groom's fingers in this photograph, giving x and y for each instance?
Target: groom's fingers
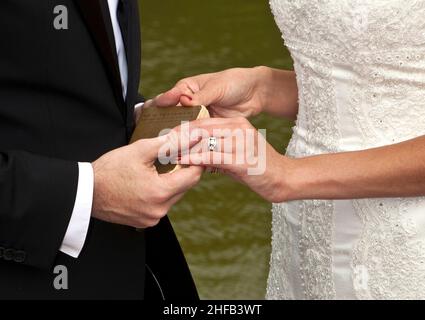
(175, 199)
(183, 179)
(148, 149)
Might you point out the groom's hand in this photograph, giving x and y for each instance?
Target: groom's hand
(128, 190)
(231, 93)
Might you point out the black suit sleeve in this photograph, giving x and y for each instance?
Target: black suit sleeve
(37, 196)
(140, 98)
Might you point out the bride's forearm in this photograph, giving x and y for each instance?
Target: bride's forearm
(279, 92)
(392, 171)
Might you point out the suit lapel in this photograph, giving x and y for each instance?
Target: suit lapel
(133, 57)
(97, 18)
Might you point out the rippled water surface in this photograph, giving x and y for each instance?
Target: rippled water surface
(223, 227)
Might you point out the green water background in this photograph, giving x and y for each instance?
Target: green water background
(224, 229)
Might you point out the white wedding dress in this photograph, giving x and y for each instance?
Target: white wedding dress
(360, 68)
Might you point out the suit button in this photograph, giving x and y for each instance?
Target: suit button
(19, 256)
(8, 254)
(1, 252)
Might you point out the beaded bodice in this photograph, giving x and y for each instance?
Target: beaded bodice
(377, 48)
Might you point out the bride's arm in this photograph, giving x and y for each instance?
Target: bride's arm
(279, 92)
(392, 171)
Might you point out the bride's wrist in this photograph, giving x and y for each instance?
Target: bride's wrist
(289, 184)
(263, 76)
(282, 185)
(276, 92)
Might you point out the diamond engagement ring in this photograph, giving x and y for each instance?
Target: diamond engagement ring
(212, 143)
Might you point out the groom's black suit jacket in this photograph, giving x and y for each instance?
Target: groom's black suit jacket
(60, 103)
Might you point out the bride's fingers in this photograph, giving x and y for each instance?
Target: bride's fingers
(207, 96)
(203, 146)
(212, 159)
(222, 126)
(152, 102)
(149, 103)
(222, 144)
(169, 98)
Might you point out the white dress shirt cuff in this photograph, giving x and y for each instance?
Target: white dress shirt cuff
(138, 105)
(78, 226)
(137, 110)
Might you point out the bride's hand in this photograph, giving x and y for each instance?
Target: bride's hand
(242, 153)
(238, 92)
